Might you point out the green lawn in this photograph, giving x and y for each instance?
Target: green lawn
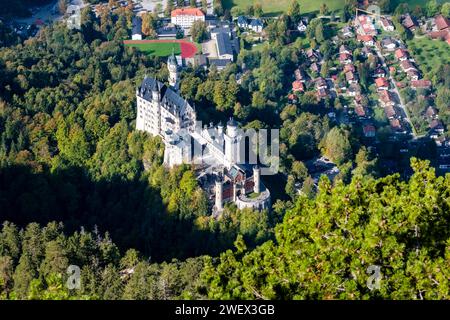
(275, 7)
(413, 3)
(161, 49)
(429, 53)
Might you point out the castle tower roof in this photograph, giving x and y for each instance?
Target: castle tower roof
(172, 60)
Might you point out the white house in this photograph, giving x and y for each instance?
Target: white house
(185, 17)
(256, 25)
(386, 24)
(302, 26)
(242, 22)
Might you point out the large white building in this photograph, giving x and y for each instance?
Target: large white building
(185, 17)
(214, 151)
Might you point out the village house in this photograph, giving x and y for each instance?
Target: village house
(360, 110)
(349, 68)
(367, 52)
(315, 67)
(421, 84)
(321, 83)
(442, 23)
(345, 58)
(401, 54)
(408, 22)
(367, 40)
(431, 113)
(242, 22)
(389, 111)
(365, 25)
(302, 25)
(354, 90)
(292, 98)
(369, 131)
(298, 86)
(322, 93)
(386, 24)
(347, 32)
(379, 73)
(344, 49)
(413, 74)
(407, 65)
(396, 125)
(437, 126)
(351, 78)
(256, 25)
(382, 84)
(388, 44)
(299, 75)
(386, 98)
(313, 55)
(443, 35)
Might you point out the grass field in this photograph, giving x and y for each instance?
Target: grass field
(413, 3)
(275, 7)
(429, 53)
(158, 49)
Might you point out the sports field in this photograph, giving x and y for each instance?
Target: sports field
(164, 48)
(275, 7)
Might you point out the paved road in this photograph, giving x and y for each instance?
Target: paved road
(396, 91)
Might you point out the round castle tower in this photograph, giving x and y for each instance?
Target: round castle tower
(219, 194)
(172, 65)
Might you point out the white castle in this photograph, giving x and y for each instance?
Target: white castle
(161, 111)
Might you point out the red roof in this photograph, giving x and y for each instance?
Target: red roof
(395, 124)
(421, 83)
(349, 67)
(187, 12)
(298, 86)
(368, 128)
(400, 53)
(385, 96)
(344, 56)
(442, 23)
(364, 38)
(381, 82)
(359, 109)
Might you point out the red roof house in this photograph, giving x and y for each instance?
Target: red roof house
(187, 12)
(382, 83)
(442, 23)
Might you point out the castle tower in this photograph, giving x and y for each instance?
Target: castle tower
(231, 142)
(256, 179)
(172, 65)
(219, 194)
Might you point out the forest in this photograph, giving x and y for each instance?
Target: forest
(79, 186)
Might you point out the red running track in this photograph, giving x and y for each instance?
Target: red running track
(188, 49)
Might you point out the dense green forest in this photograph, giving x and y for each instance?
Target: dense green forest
(79, 186)
(322, 250)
